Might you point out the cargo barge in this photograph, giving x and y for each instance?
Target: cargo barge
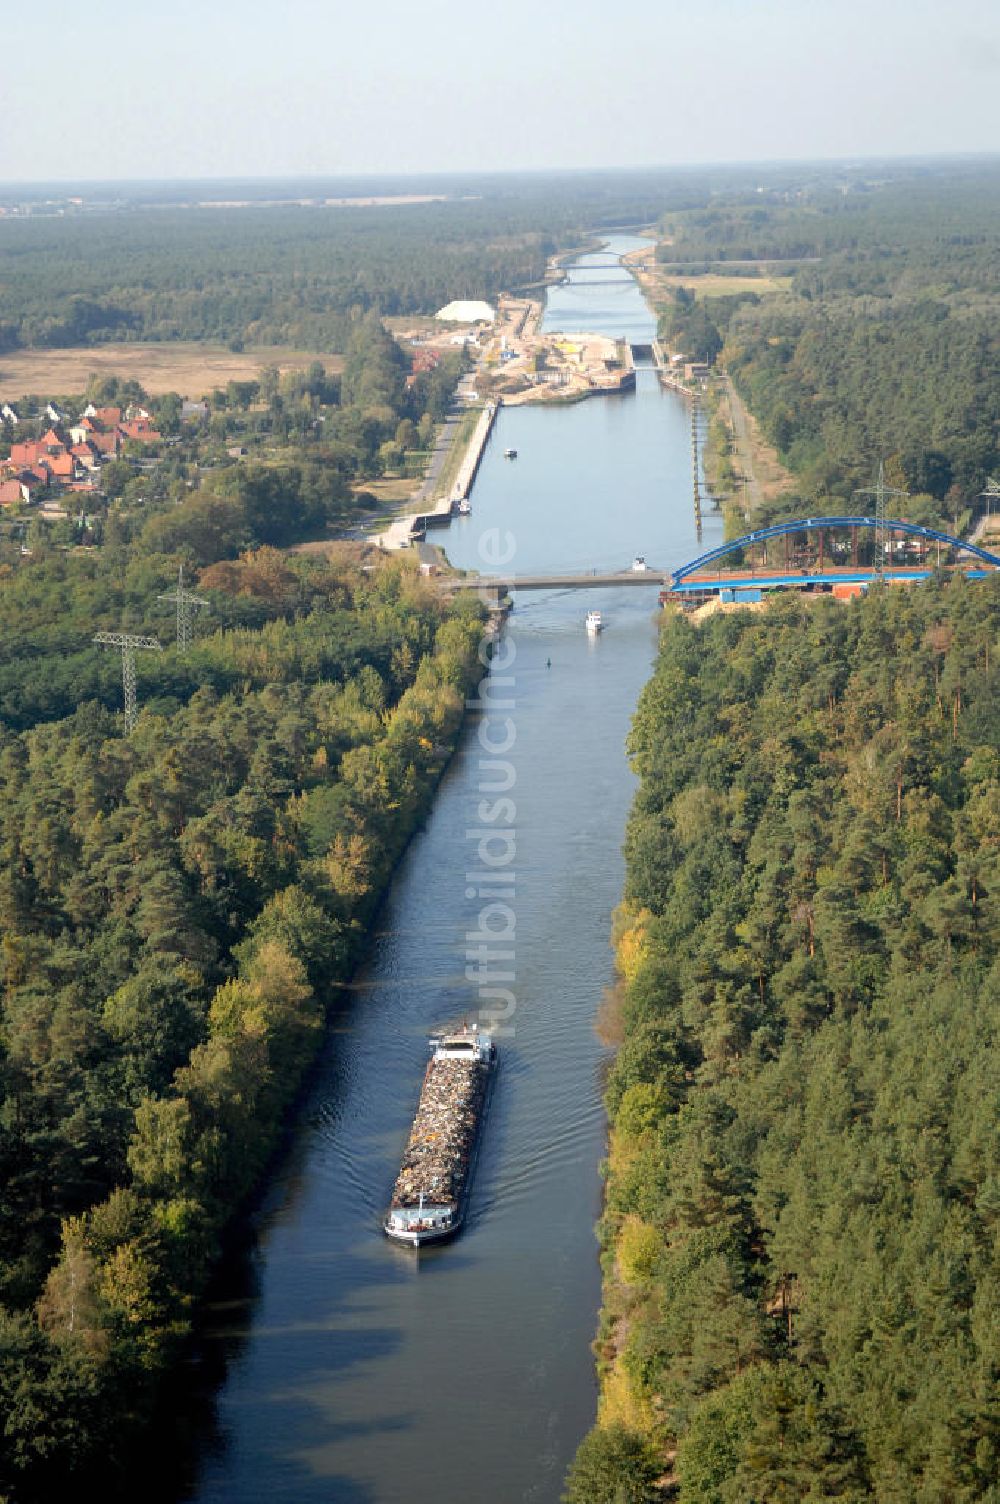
(431, 1192)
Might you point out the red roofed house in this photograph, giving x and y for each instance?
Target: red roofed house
(53, 442)
(26, 453)
(141, 430)
(12, 492)
(86, 455)
(106, 444)
(109, 416)
(60, 466)
(81, 430)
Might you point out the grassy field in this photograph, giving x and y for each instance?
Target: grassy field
(393, 488)
(188, 368)
(718, 284)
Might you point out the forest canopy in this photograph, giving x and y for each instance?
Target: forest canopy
(800, 1233)
(177, 909)
(285, 274)
(883, 346)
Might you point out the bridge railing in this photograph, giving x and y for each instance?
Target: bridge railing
(807, 524)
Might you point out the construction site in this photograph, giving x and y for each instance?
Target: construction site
(521, 364)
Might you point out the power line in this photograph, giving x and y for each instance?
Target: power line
(695, 414)
(187, 604)
(881, 493)
(129, 644)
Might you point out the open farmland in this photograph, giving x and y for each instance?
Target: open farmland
(188, 368)
(716, 284)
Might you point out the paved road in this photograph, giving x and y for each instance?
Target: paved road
(445, 438)
(439, 453)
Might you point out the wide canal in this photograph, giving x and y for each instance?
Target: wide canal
(337, 1367)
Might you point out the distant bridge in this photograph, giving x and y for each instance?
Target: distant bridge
(593, 266)
(699, 577)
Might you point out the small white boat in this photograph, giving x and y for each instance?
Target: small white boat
(639, 565)
(464, 509)
(594, 623)
(510, 454)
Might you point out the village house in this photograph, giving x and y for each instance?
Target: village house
(107, 417)
(81, 430)
(140, 430)
(86, 454)
(108, 445)
(22, 454)
(71, 459)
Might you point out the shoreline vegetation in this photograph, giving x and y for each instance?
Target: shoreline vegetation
(176, 952)
(798, 1237)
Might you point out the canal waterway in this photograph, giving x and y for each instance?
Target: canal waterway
(340, 1368)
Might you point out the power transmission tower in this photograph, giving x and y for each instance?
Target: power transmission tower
(881, 493)
(187, 604)
(129, 645)
(991, 489)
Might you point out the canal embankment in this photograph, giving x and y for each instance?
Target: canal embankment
(455, 484)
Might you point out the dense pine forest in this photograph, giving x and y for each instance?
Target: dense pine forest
(289, 275)
(884, 343)
(800, 1233)
(176, 910)
(263, 276)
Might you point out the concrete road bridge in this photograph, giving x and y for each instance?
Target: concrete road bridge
(496, 587)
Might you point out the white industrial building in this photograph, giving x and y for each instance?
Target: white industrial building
(467, 312)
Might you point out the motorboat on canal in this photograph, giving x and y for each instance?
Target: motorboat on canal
(510, 454)
(464, 508)
(431, 1193)
(595, 623)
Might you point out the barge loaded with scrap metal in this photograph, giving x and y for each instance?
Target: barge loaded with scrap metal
(432, 1188)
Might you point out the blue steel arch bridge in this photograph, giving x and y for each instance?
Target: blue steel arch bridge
(913, 552)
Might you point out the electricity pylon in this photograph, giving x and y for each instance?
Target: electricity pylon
(129, 645)
(881, 493)
(187, 603)
(991, 489)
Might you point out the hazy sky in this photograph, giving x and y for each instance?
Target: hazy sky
(214, 88)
